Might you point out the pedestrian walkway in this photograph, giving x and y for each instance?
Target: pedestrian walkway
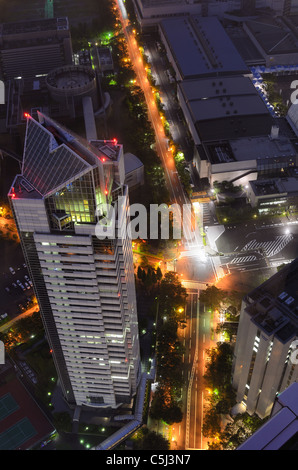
(270, 248)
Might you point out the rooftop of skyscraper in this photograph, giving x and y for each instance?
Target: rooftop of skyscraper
(273, 305)
(53, 157)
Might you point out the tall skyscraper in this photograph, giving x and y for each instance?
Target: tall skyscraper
(84, 284)
(266, 347)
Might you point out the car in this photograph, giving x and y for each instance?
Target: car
(12, 270)
(7, 289)
(27, 285)
(4, 315)
(27, 278)
(14, 285)
(18, 282)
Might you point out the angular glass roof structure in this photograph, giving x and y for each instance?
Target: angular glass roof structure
(48, 159)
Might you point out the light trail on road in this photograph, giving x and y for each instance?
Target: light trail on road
(193, 245)
(192, 238)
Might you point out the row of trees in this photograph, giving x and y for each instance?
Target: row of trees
(221, 394)
(166, 402)
(143, 143)
(218, 376)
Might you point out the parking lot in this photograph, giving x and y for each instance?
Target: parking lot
(15, 285)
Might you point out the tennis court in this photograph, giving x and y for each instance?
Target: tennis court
(7, 406)
(17, 434)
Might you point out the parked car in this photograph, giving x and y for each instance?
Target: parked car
(12, 270)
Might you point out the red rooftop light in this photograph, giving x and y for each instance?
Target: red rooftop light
(26, 115)
(115, 141)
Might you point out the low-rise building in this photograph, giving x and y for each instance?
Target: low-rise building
(273, 193)
(30, 48)
(210, 51)
(275, 37)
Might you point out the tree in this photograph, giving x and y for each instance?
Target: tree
(158, 274)
(212, 297)
(172, 293)
(155, 441)
(150, 440)
(165, 408)
(140, 273)
(172, 414)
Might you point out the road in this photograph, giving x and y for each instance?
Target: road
(6, 326)
(192, 238)
(196, 337)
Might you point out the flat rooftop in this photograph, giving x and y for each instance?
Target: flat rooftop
(32, 26)
(287, 186)
(276, 35)
(221, 97)
(107, 148)
(200, 46)
(261, 147)
(274, 304)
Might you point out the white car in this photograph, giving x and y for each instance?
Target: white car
(12, 270)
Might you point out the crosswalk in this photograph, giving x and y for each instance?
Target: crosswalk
(270, 248)
(243, 259)
(207, 216)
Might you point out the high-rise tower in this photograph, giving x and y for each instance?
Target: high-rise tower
(84, 284)
(265, 362)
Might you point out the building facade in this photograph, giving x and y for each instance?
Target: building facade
(265, 359)
(30, 48)
(84, 283)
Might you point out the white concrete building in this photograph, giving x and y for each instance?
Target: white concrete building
(84, 285)
(263, 365)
